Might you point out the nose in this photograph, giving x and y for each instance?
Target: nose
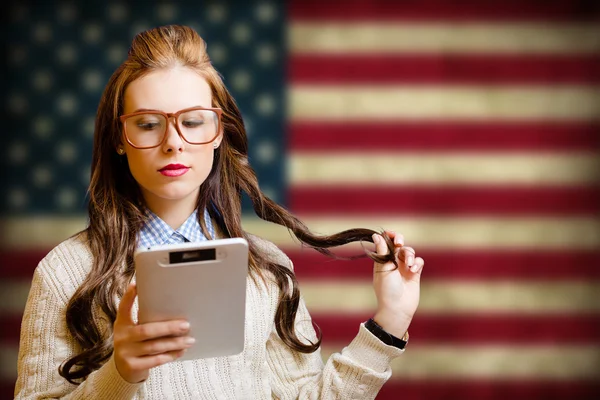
(173, 141)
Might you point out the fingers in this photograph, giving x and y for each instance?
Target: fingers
(124, 311)
(153, 330)
(165, 345)
(417, 267)
(145, 363)
(380, 245)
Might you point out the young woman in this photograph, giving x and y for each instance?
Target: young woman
(170, 162)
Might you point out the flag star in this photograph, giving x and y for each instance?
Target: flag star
(217, 53)
(17, 103)
(43, 127)
(139, 27)
(266, 54)
(88, 126)
(85, 175)
(19, 13)
(18, 153)
(92, 33)
(166, 12)
(66, 12)
(67, 53)
(265, 12)
(117, 12)
(42, 176)
(92, 80)
(265, 152)
(241, 81)
(116, 54)
(217, 13)
(241, 33)
(66, 104)
(42, 33)
(265, 104)
(269, 192)
(42, 80)
(66, 152)
(66, 197)
(17, 198)
(17, 54)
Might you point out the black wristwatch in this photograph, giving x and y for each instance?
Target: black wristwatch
(385, 337)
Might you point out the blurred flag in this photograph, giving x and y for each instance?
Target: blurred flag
(473, 129)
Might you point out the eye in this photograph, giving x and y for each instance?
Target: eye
(192, 123)
(148, 126)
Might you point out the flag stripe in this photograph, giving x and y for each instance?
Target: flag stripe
(415, 102)
(482, 232)
(502, 362)
(548, 265)
(444, 69)
(426, 11)
(457, 297)
(432, 389)
(452, 297)
(425, 136)
(470, 200)
(391, 37)
(475, 329)
(443, 169)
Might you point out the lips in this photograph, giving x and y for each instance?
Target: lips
(173, 170)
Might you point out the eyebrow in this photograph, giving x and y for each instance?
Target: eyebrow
(156, 109)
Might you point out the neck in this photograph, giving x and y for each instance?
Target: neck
(173, 212)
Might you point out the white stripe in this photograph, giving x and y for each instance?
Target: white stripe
(511, 362)
(451, 233)
(416, 102)
(449, 297)
(441, 168)
(393, 37)
(357, 297)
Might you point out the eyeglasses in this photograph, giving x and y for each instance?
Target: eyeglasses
(148, 129)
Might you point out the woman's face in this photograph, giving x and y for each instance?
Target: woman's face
(157, 170)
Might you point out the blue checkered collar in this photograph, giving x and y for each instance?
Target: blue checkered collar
(157, 232)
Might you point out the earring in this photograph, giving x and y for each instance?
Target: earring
(121, 151)
(215, 145)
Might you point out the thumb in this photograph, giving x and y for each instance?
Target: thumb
(126, 305)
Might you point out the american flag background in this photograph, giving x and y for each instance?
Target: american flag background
(473, 128)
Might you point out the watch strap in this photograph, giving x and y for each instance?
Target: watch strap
(385, 337)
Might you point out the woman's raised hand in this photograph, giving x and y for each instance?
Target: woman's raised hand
(396, 289)
(139, 347)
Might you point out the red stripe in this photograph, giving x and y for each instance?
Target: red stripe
(407, 136)
(475, 265)
(518, 389)
(443, 69)
(475, 329)
(463, 201)
(431, 10)
(471, 329)
(457, 264)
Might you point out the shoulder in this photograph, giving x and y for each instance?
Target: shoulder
(270, 250)
(65, 267)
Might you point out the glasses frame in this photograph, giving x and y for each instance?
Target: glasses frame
(168, 117)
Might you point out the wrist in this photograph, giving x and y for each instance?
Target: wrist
(392, 323)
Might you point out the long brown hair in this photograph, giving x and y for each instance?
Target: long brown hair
(116, 207)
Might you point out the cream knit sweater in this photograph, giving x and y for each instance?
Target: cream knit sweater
(266, 368)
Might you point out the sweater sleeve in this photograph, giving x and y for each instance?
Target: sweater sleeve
(357, 372)
(45, 343)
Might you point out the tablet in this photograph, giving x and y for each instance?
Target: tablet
(202, 282)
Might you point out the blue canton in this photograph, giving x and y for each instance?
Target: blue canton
(157, 232)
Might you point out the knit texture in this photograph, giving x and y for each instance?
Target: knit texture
(266, 369)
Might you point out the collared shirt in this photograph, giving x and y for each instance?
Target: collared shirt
(157, 232)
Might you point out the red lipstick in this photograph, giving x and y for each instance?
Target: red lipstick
(173, 170)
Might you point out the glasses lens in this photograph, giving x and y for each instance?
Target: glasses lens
(146, 130)
(199, 126)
